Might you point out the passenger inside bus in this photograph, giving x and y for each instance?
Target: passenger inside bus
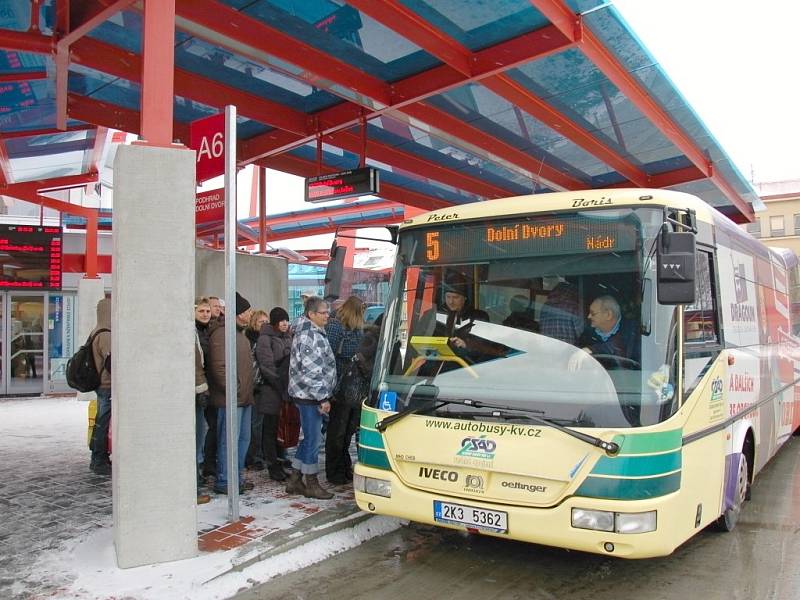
(610, 338)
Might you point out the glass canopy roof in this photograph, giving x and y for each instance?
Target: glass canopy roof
(464, 100)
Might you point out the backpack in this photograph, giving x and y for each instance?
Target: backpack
(82, 373)
(353, 385)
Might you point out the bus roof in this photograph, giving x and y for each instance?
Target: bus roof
(558, 201)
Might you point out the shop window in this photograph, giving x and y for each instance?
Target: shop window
(755, 227)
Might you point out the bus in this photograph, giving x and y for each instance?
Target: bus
(517, 415)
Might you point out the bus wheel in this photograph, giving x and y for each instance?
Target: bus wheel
(730, 517)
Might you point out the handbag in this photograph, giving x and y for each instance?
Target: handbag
(352, 386)
(288, 426)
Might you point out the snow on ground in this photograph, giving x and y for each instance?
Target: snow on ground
(45, 438)
(92, 563)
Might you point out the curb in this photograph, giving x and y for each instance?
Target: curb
(309, 529)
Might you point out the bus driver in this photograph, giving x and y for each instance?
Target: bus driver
(609, 335)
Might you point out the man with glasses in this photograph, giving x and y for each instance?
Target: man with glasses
(312, 379)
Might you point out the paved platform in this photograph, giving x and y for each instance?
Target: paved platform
(56, 537)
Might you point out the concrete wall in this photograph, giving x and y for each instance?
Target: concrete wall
(263, 280)
(154, 480)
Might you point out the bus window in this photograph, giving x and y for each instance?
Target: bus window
(700, 322)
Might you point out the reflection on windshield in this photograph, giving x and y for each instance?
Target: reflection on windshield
(561, 333)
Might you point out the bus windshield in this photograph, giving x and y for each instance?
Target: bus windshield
(549, 313)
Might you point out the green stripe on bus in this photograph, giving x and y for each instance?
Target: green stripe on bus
(368, 437)
(368, 418)
(638, 466)
(629, 489)
(644, 443)
(373, 458)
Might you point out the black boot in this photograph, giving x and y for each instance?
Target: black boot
(276, 472)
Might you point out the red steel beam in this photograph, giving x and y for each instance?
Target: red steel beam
(113, 116)
(108, 58)
(35, 132)
(505, 87)
(221, 25)
(26, 41)
(6, 177)
(78, 30)
(158, 66)
(411, 26)
(396, 17)
(452, 126)
(121, 63)
(22, 76)
(561, 16)
(100, 138)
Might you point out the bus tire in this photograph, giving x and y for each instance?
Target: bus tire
(728, 520)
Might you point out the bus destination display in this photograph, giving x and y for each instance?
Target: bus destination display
(30, 257)
(514, 239)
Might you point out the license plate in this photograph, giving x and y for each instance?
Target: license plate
(470, 516)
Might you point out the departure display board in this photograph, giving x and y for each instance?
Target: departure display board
(345, 184)
(526, 236)
(30, 257)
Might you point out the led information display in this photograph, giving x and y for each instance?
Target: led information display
(30, 257)
(345, 184)
(523, 237)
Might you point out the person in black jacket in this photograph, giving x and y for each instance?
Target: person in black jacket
(272, 355)
(611, 335)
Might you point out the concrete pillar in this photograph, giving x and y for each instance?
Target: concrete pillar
(154, 476)
(90, 292)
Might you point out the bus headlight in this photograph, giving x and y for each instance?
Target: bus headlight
(602, 520)
(599, 520)
(636, 522)
(370, 485)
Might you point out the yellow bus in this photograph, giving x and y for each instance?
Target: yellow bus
(604, 371)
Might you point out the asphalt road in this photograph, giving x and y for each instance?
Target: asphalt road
(759, 560)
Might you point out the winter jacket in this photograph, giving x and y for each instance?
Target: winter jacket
(312, 366)
(215, 366)
(101, 347)
(200, 383)
(272, 354)
(202, 333)
(625, 342)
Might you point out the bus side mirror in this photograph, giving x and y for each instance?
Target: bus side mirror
(333, 274)
(676, 266)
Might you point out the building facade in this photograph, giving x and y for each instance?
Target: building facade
(779, 224)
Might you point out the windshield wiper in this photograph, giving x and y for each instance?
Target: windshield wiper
(503, 411)
(610, 448)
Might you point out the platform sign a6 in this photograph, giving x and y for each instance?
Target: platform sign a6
(207, 138)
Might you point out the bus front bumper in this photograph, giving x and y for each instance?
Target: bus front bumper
(550, 526)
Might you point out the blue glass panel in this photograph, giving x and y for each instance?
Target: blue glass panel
(478, 24)
(496, 116)
(198, 56)
(27, 105)
(44, 145)
(88, 82)
(124, 29)
(343, 32)
(15, 14)
(443, 154)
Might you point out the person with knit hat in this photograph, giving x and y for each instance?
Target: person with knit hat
(272, 355)
(215, 366)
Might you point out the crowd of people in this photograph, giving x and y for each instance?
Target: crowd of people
(287, 383)
(288, 392)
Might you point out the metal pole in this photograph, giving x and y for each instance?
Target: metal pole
(231, 387)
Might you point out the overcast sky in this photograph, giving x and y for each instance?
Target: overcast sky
(736, 63)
